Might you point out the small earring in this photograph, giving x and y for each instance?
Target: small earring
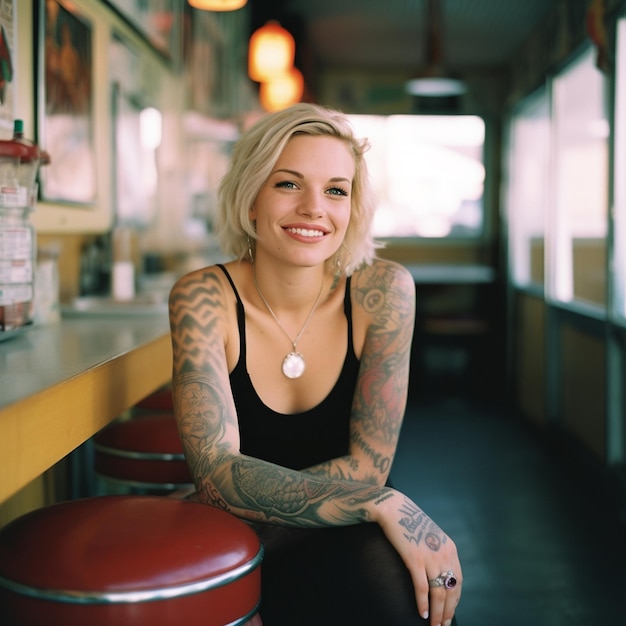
(250, 249)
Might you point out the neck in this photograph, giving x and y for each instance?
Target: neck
(290, 288)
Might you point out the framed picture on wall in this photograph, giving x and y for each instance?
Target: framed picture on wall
(156, 21)
(64, 97)
(136, 133)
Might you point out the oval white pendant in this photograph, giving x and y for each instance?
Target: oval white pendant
(293, 365)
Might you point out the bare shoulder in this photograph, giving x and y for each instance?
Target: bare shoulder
(197, 279)
(205, 287)
(199, 296)
(384, 279)
(199, 307)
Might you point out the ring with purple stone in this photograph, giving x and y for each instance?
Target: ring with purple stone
(445, 579)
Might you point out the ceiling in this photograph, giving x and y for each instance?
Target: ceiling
(391, 35)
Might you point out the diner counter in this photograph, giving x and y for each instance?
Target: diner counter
(450, 273)
(60, 384)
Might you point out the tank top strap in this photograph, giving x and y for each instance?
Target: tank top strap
(347, 309)
(241, 316)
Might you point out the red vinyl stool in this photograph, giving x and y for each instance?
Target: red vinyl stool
(131, 560)
(159, 400)
(143, 453)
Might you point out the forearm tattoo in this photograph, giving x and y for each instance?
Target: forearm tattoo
(258, 490)
(266, 492)
(419, 527)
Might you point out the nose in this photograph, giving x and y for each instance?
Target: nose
(312, 204)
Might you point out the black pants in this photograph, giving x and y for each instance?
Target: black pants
(340, 576)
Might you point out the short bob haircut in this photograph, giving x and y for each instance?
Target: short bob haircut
(253, 159)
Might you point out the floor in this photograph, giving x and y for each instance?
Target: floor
(540, 542)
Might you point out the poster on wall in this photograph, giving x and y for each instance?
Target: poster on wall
(137, 130)
(7, 64)
(65, 125)
(157, 21)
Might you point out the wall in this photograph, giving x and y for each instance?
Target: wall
(559, 360)
(204, 74)
(529, 355)
(210, 81)
(583, 388)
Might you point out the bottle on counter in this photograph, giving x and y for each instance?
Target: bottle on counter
(19, 163)
(123, 265)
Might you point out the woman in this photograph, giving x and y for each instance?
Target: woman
(290, 383)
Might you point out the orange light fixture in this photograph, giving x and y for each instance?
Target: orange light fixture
(271, 52)
(217, 5)
(282, 91)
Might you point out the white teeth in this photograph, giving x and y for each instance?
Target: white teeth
(305, 232)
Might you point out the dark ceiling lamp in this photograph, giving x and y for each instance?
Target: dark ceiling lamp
(433, 81)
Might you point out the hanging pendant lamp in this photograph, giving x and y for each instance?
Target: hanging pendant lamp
(433, 81)
(217, 5)
(282, 91)
(271, 52)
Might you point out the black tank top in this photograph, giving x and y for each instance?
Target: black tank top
(297, 440)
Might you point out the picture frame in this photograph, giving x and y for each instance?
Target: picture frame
(134, 163)
(65, 103)
(157, 22)
(7, 63)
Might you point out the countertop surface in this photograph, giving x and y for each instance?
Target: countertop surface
(44, 356)
(61, 384)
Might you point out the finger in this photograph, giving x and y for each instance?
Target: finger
(437, 604)
(452, 599)
(448, 611)
(420, 583)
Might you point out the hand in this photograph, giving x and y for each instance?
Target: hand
(427, 552)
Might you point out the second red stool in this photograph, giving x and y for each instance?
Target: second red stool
(143, 454)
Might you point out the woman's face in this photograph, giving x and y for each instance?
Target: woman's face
(303, 209)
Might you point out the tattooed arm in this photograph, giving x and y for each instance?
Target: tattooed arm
(383, 294)
(257, 490)
(207, 421)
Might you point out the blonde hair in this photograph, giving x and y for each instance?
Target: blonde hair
(253, 159)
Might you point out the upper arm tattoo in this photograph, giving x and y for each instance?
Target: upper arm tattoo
(204, 408)
(192, 310)
(381, 394)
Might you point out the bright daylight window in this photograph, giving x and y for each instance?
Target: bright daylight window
(581, 130)
(428, 173)
(528, 177)
(619, 264)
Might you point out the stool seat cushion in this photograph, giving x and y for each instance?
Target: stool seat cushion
(156, 433)
(112, 552)
(159, 400)
(145, 449)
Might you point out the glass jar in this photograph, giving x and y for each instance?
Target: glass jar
(20, 159)
(17, 254)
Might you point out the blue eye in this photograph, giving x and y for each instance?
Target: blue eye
(337, 191)
(286, 184)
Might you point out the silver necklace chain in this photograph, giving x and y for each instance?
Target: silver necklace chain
(299, 364)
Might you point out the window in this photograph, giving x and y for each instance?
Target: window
(528, 184)
(578, 243)
(428, 173)
(619, 246)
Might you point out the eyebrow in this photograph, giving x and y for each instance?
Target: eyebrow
(335, 179)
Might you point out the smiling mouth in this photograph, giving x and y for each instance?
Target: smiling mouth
(306, 232)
